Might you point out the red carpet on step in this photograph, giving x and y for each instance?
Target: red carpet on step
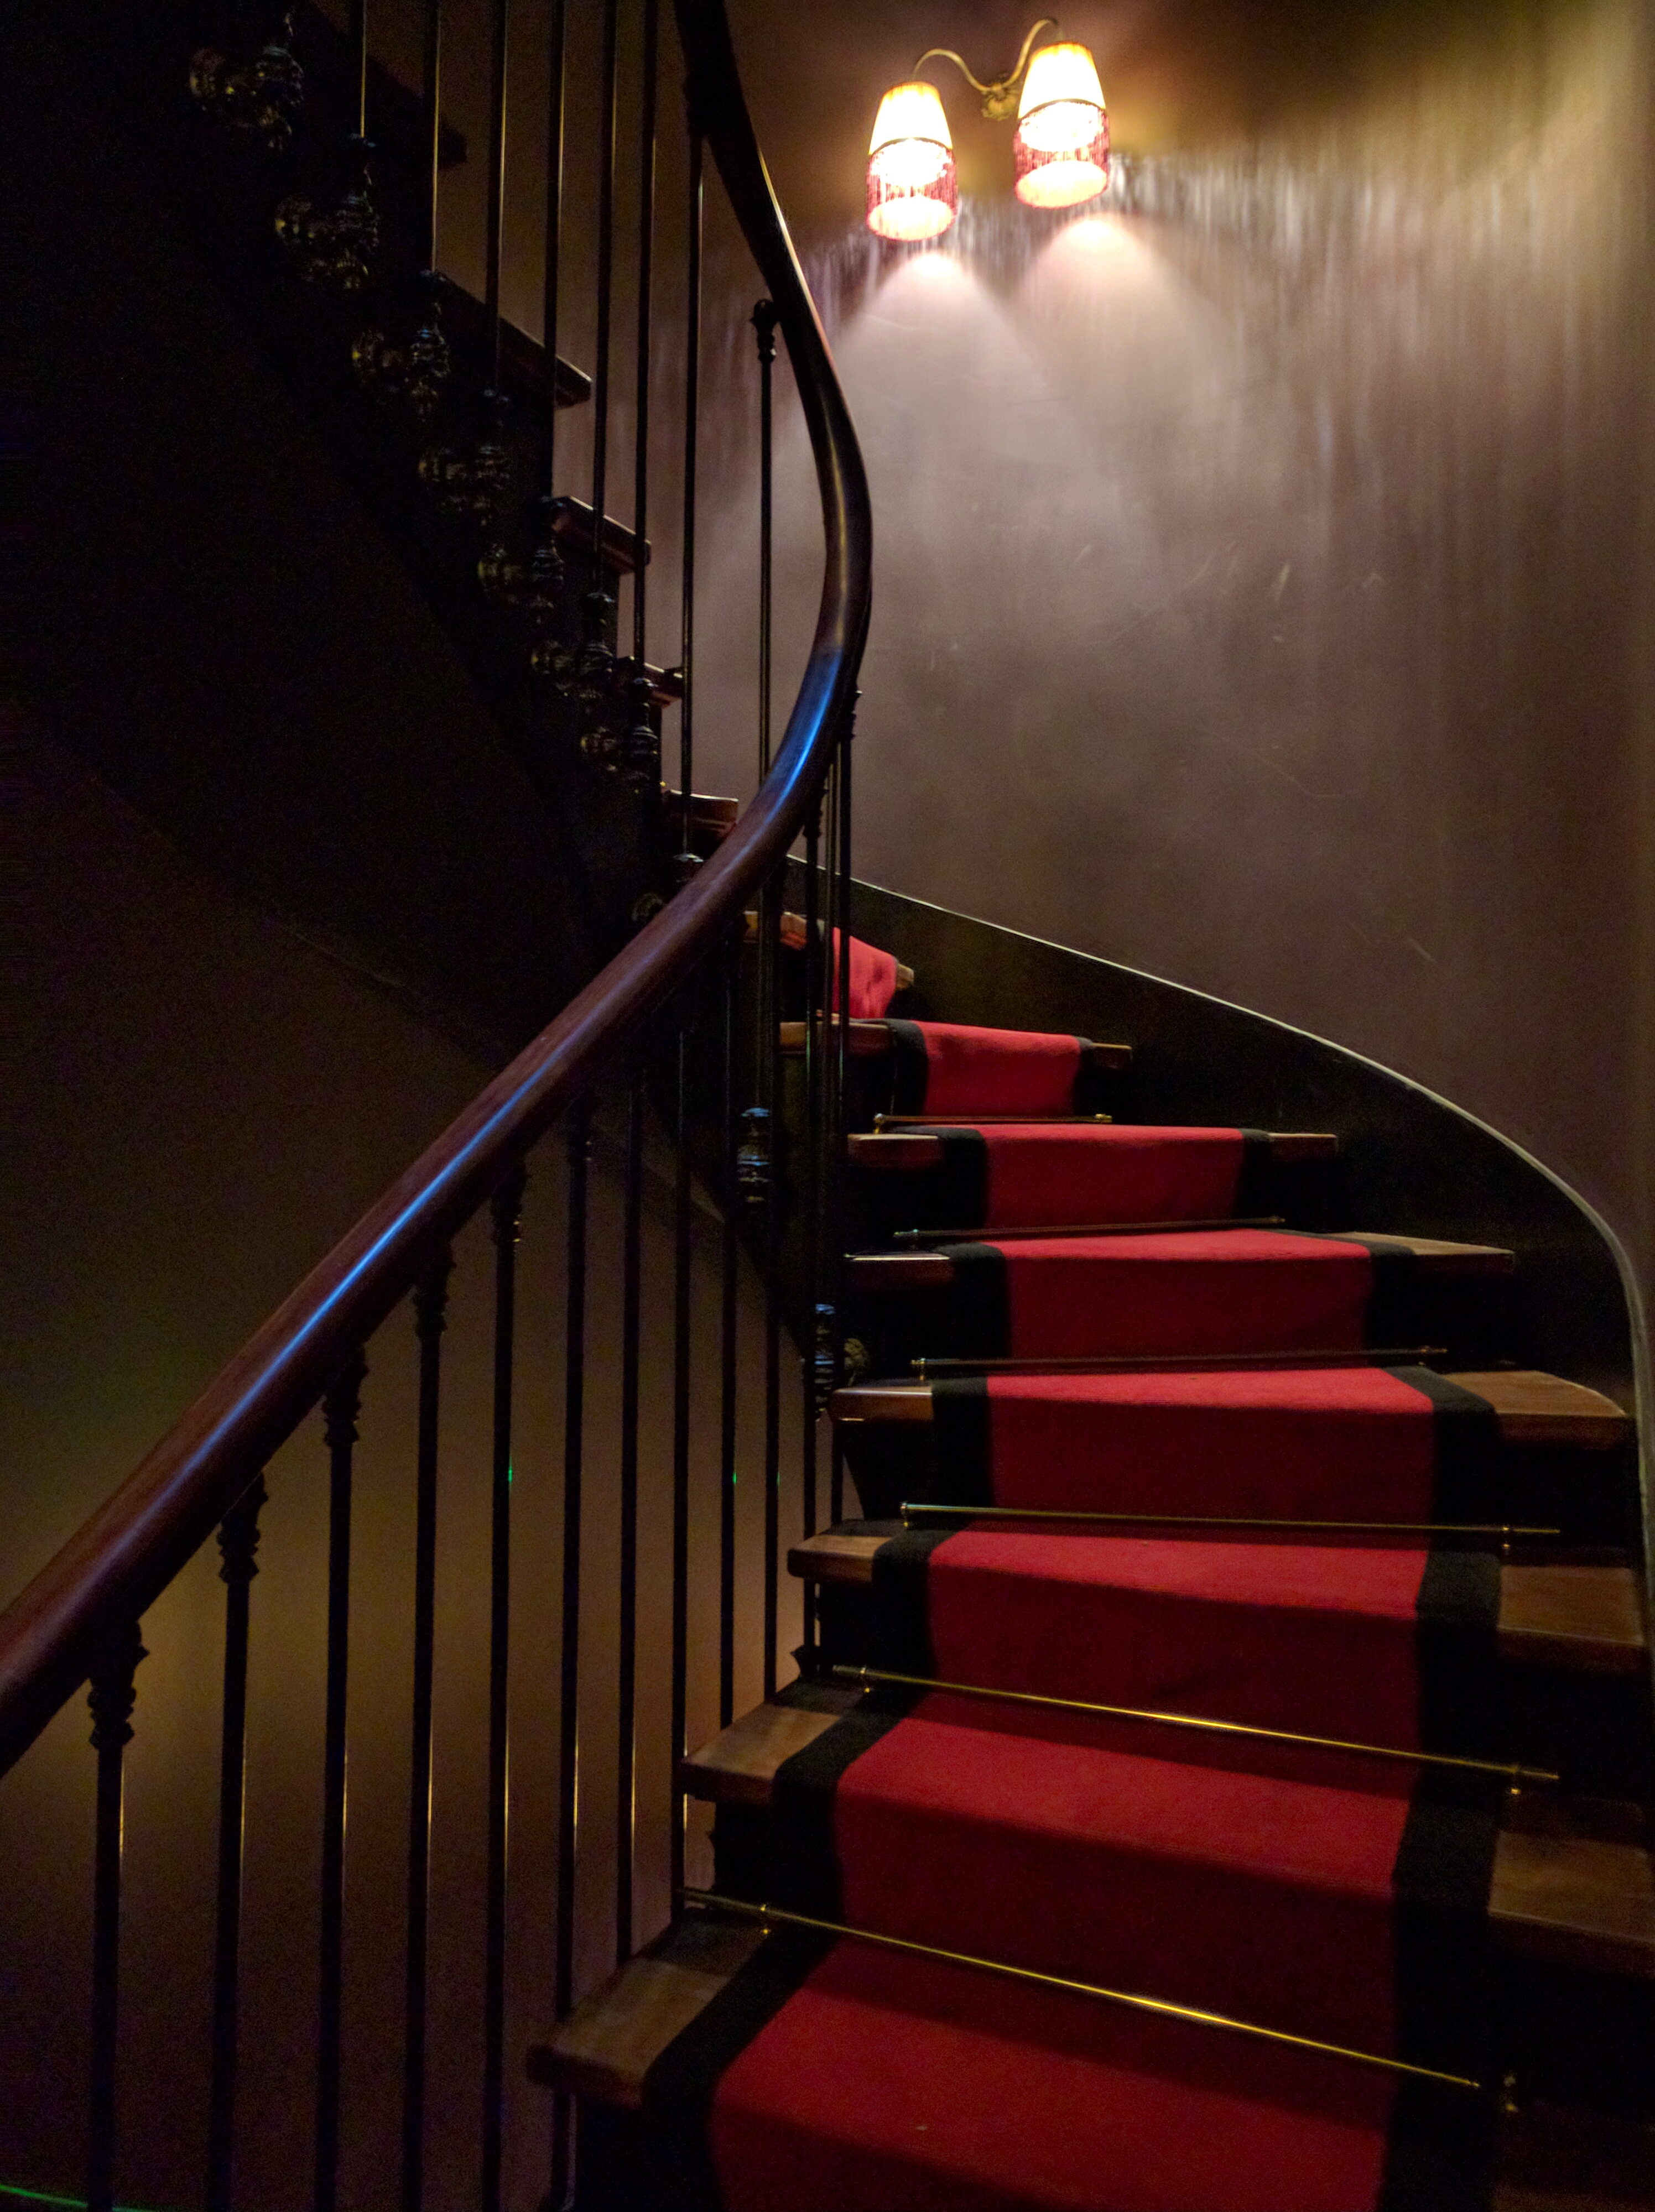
(954, 2093)
(1260, 1886)
(948, 1067)
(1188, 1290)
(1336, 1443)
(1096, 1172)
(873, 979)
(1351, 1443)
(1318, 1638)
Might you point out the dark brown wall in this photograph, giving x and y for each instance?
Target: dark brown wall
(1263, 561)
(197, 1103)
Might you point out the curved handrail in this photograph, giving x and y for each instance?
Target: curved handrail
(121, 1559)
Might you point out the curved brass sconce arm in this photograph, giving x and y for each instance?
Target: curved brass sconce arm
(1000, 93)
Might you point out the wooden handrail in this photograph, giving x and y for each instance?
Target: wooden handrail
(120, 1560)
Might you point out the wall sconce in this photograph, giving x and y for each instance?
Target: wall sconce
(1061, 146)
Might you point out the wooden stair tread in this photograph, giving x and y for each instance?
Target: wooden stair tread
(707, 812)
(1587, 1619)
(869, 1039)
(910, 1150)
(744, 1758)
(1573, 1899)
(1582, 1619)
(1532, 1408)
(931, 1271)
(609, 2042)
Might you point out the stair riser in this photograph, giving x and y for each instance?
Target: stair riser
(1468, 1318)
(1593, 1731)
(1306, 1194)
(1586, 1495)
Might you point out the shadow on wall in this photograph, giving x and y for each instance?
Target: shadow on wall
(198, 1104)
(1260, 567)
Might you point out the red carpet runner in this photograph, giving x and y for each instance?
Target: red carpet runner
(1319, 1893)
(873, 979)
(1197, 1291)
(944, 1067)
(1024, 1177)
(1371, 1444)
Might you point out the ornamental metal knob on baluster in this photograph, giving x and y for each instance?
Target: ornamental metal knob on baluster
(259, 100)
(335, 247)
(752, 1159)
(471, 480)
(532, 587)
(415, 372)
(641, 749)
(824, 1358)
(111, 1694)
(594, 673)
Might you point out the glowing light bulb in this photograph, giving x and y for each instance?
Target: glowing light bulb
(1061, 144)
(911, 189)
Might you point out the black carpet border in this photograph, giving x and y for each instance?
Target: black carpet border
(957, 1192)
(680, 2086)
(1466, 1451)
(805, 1873)
(979, 1302)
(1256, 1177)
(911, 1066)
(962, 1445)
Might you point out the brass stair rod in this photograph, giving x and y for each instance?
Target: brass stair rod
(920, 1122)
(1507, 1535)
(1409, 1355)
(1515, 1776)
(1093, 1229)
(775, 1915)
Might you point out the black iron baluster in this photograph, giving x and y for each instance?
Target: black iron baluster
(432, 121)
(730, 1263)
(358, 35)
(110, 1698)
(430, 1310)
(691, 440)
(681, 1318)
(494, 233)
(764, 319)
(836, 1161)
(641, 762)
(597, 603)
(339, 1410)
(238, 1542)
(556, 90)
(631, 1299)
(810, 1194)
(770, 1063)
(506, 1211)
(569, 1740)
(833, 1114)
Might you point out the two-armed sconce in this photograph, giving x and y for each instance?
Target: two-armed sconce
(1061, 145)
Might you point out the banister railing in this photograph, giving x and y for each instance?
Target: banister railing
(79, 1618)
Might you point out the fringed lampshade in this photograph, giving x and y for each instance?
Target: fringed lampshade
(1061, 144)
(911, 189)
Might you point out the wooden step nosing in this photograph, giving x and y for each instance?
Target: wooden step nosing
(1592, 1423)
